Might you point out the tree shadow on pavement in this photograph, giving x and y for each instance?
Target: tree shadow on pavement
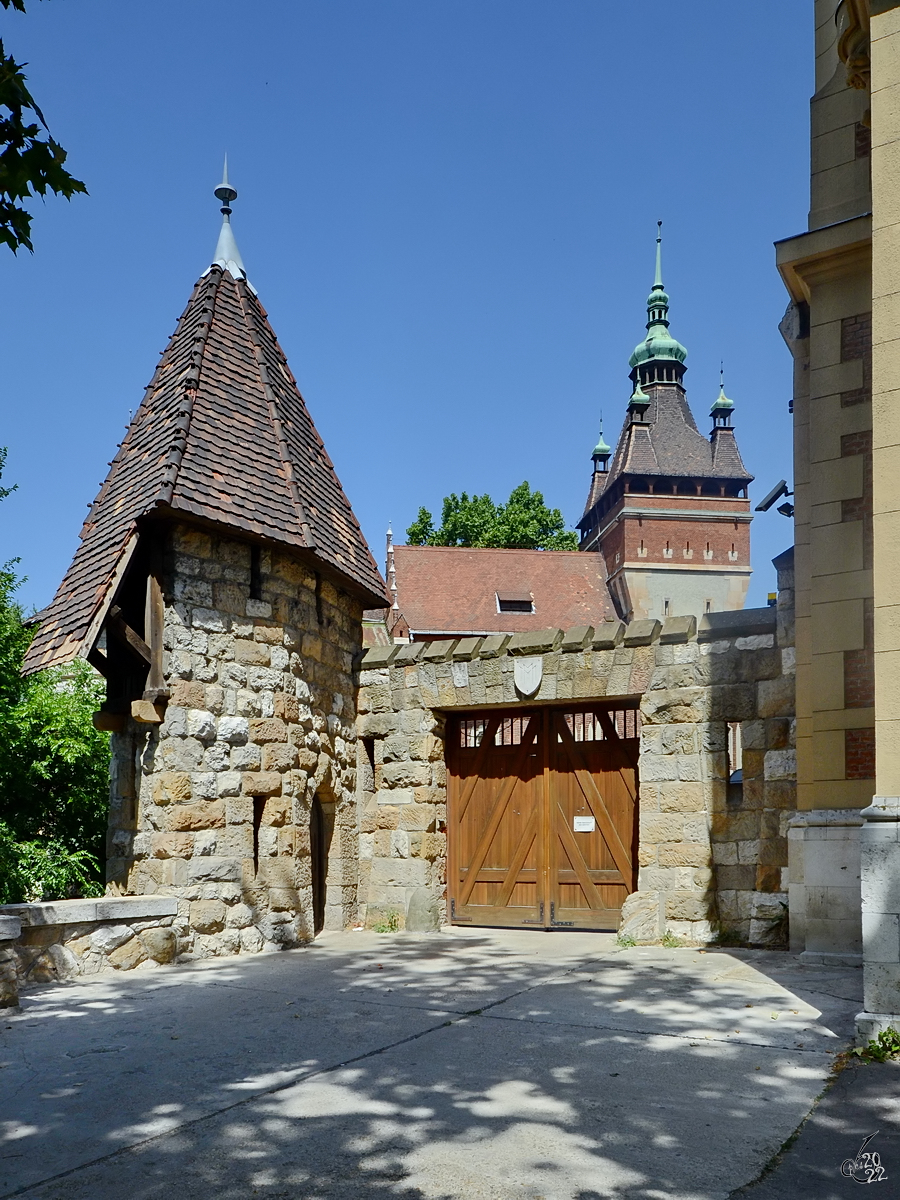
(415, 1067)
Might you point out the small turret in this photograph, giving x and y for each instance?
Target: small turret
(723, 408)
(639, 402)
(601, 454)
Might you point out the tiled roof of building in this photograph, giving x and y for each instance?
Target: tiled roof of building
(222, 435)
(668, 442)
(452, 589)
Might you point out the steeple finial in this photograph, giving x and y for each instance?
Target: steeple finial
(659, 358)
(227, 254)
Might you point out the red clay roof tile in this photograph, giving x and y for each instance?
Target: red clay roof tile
(222, 435)
(452, 589)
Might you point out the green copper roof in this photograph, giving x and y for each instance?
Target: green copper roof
(601, 449)
(722, 404)
(639, 398)
(659, 343)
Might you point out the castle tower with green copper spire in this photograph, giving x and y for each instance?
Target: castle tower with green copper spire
(669, 508)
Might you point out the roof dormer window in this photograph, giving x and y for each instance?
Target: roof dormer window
(515, 602)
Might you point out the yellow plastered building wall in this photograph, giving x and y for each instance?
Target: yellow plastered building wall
(840, 328)
(885, 98)
(828, 275)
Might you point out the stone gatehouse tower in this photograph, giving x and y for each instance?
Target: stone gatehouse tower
(219, 587)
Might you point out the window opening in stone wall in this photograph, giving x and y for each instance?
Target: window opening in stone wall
(708, 604)
(367, 765)
(255, 573)
(259, 808)
(666, 604)
(735, 763)
(320, 833)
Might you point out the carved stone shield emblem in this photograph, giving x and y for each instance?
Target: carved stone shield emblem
(528, 673)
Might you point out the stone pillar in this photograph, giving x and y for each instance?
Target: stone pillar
(824, 862)
(879, 843)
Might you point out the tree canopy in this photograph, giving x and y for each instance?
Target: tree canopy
(524, 522)
(30, 164)
(54, 767)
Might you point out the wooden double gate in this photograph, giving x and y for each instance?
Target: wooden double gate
(542, 816)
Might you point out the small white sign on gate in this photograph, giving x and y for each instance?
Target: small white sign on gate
(528, 673)
(584, 824)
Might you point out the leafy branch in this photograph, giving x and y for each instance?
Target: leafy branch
(30, 165)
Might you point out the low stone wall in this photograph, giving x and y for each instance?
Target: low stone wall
(68, 938)
(712, 857)
(10, 929)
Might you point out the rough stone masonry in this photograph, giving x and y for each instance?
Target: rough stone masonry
(213, 805)
(712, 851)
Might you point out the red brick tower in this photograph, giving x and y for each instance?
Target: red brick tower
(670, 513)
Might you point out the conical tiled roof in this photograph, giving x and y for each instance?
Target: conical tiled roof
(222, 435)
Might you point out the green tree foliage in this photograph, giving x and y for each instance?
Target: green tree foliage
(30, 165)
(54, 769)
(524, 522)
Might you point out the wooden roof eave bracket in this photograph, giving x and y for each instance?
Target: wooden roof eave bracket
(88, 648)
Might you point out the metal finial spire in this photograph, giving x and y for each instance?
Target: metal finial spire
(225, 192)
(657, 282)
(227, 254)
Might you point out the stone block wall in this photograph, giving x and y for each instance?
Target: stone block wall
(212, 806)
(10, 929)
(64, 939)
(706, 863)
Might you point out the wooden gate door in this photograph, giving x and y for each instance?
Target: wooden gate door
(542, 816)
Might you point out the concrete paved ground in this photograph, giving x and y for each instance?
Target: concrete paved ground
(471, 1063)
(861, 1111)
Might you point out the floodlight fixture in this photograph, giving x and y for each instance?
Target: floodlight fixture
(780, 489)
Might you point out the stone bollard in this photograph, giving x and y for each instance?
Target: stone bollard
(424, 912)
(10, 930)
(879, 844)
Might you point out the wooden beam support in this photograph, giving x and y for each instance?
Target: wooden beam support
(99, 662)
(154, 620)
(122, 632)
(108, 722)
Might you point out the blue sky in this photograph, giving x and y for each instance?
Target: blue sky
(448, 209)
